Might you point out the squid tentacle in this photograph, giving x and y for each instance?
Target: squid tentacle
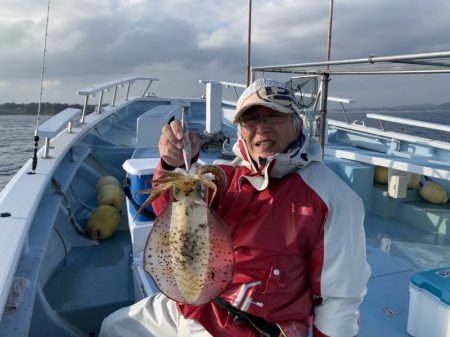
(220, 176)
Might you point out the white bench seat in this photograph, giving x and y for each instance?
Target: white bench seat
(415, 164)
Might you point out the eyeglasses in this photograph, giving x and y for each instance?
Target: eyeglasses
(253, 120)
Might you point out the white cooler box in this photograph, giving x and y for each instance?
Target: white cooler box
(429, 304)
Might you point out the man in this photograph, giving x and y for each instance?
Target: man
(297, 232)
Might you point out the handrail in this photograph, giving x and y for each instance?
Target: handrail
(106, 86)
(92, 90)
(240, 85)
(410, 122)
(56, 124)
(224, 83)
(330, 98)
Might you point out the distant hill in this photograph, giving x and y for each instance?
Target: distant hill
(444, 106)
(32, 108)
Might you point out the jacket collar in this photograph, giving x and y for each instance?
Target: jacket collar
(304, 151)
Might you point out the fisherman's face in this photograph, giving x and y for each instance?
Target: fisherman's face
(268, 132)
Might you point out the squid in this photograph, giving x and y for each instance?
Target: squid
(189, 251)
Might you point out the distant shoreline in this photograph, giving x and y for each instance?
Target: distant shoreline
(50, 109)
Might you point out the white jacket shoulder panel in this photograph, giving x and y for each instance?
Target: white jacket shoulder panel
(344, 236)
(345, 270)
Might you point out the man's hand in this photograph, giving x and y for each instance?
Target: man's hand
(171, 144)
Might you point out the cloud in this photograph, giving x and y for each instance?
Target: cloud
(181, 41)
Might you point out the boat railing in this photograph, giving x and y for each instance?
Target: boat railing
(217, 107)
(407, 121)
(214, 110)
(56, 124)
(225, 84)
(107, 86)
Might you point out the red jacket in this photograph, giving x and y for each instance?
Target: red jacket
(299, 245)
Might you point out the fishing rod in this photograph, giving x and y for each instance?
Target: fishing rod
(36, 131)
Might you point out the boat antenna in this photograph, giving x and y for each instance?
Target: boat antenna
(249, 41)
(36, 131)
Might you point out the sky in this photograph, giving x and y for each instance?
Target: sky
(181, 42)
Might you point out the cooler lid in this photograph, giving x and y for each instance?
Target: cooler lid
(140, 166)
(436, 282)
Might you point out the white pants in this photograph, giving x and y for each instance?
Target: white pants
(154, 316)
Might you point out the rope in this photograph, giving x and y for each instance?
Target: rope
(64, 246)
(213, 142)
(57, 186)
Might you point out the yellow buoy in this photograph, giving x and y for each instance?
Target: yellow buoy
(106, 180)
(414, 181)
(112, 195)
(381, 175)
(433, 192)
(103, 222)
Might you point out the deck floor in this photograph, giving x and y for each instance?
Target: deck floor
(396, 251)
(93, 282)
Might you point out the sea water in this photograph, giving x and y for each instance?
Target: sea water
(16, 143)
(17, 134)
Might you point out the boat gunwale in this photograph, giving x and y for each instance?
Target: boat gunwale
(9, 195)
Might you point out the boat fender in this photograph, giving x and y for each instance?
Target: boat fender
(381, 176)
(414, 181)
(433, 192)
(112, 195)
(103, 222)
(106, 180)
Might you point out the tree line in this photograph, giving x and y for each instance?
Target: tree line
(32, 108)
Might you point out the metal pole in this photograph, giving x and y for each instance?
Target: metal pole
(114, 96)
(330, 28)
(323, 109)
(83, 114)
(371, 59)
(249, 40)
(325, 80)
(100, 102)
(128, 91)
(46, 148)
(148, 87)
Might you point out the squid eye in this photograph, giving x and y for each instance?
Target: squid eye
(176, 192)
(198, 190)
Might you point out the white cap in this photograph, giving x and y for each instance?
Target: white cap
(266, 92)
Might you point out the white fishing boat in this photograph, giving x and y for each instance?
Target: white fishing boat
(55, 281)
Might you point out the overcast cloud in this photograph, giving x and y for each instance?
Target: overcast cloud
(182, 41)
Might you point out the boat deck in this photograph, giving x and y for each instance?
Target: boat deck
(396, 251)
(80, 290)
